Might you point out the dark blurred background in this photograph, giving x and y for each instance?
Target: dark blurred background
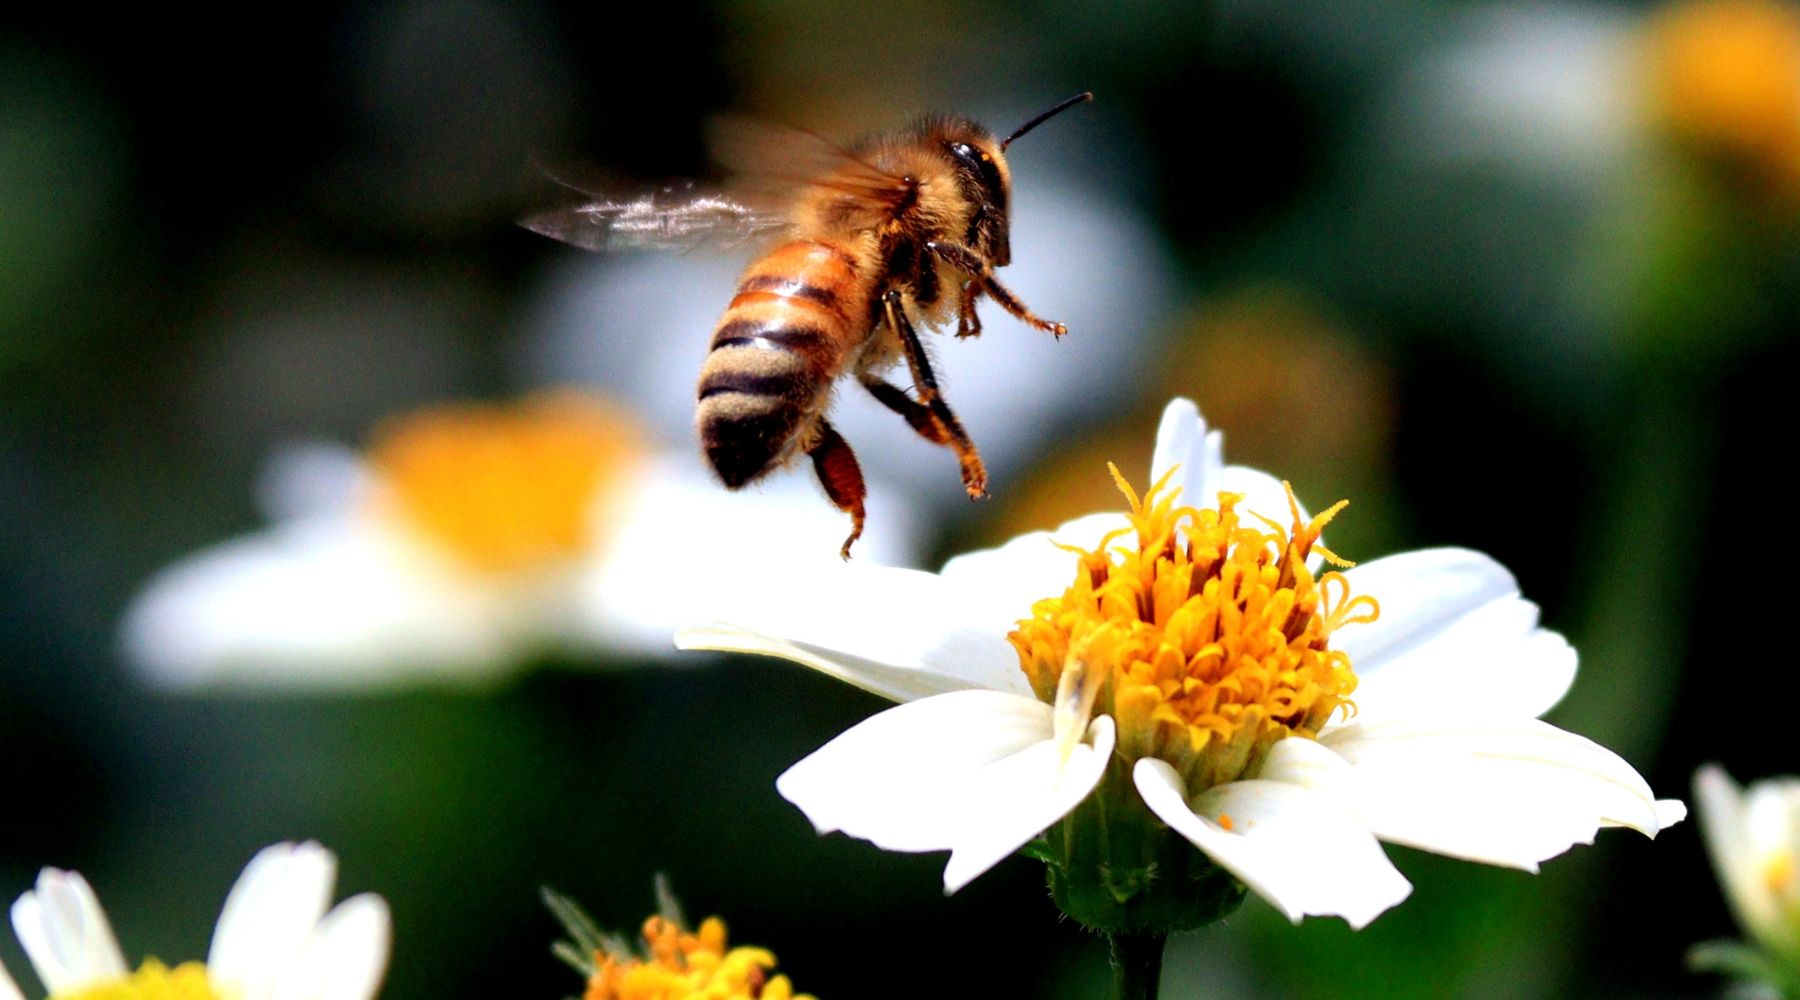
(1516, 278)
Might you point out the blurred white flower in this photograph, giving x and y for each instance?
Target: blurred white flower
(1547, 89)
(1753, 837)
(275, 939)
(1279, 719)
(469, 538)
(1578, 93)
(637, 325)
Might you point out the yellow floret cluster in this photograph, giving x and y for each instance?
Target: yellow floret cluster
(1207, 640)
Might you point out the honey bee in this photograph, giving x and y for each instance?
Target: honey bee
(864, 244)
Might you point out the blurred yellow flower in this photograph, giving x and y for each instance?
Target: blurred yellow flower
(274, 939)
(506, 489)
(154, 981)
(671, 963)
(1724, 76)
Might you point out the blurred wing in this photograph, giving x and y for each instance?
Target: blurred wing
(787, 164)
(677, 217)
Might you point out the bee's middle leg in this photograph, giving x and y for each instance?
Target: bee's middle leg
(977, 267)
(835, 465)
(929, 415)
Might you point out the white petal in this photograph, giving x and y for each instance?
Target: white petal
(316, 602)
(269, 916)
(1454, 637)
(1182, 439)
(679, 549)
(1308, 763)
(976, 773)
(1008, 803)
(346, 956)
(895, 683)
(997, 587)
(884, 779)
(1772, 815)
(65, 933)
(304, 479)
(1725, 827)
(1511, 793)
(898, 633)
(1292, 846)
(9, 990)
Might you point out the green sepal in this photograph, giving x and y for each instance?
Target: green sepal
(1115, 868)
(1747, 965)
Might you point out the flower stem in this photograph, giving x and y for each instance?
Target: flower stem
(1137, 958)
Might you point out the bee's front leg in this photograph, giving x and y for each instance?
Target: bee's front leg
(977, 267)
(835, 465)
(929, 414)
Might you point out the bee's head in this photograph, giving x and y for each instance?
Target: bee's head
(980, 163)
(980, 168)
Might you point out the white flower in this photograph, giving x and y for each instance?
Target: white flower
(1180, 672)
(275, 939)
(468, 539)
(1753, 837)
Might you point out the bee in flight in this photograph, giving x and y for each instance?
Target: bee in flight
(898, 228)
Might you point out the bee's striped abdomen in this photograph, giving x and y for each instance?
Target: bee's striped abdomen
(783, 340)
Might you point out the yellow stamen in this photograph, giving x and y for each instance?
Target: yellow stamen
(153, 981)
(1206, 642)
(504, 489)
(678, 965)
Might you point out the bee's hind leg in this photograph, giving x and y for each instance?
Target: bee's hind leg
(929, 414)
(835, 465)
(982, 274)
(968, 321)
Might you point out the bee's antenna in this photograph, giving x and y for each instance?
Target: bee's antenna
(1081, 98)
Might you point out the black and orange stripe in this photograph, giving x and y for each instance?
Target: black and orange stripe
(790, 330)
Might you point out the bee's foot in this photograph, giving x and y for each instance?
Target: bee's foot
(975, 481)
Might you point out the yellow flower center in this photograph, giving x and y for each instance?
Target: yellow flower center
(1779, 874)
(504, 489)
(1206, 641)
(678, 965)
(153, 981)
(1726, 75)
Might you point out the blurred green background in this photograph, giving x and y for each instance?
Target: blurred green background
(1521, 278)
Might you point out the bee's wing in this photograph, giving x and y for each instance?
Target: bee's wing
(676, 217)
(784, 164)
